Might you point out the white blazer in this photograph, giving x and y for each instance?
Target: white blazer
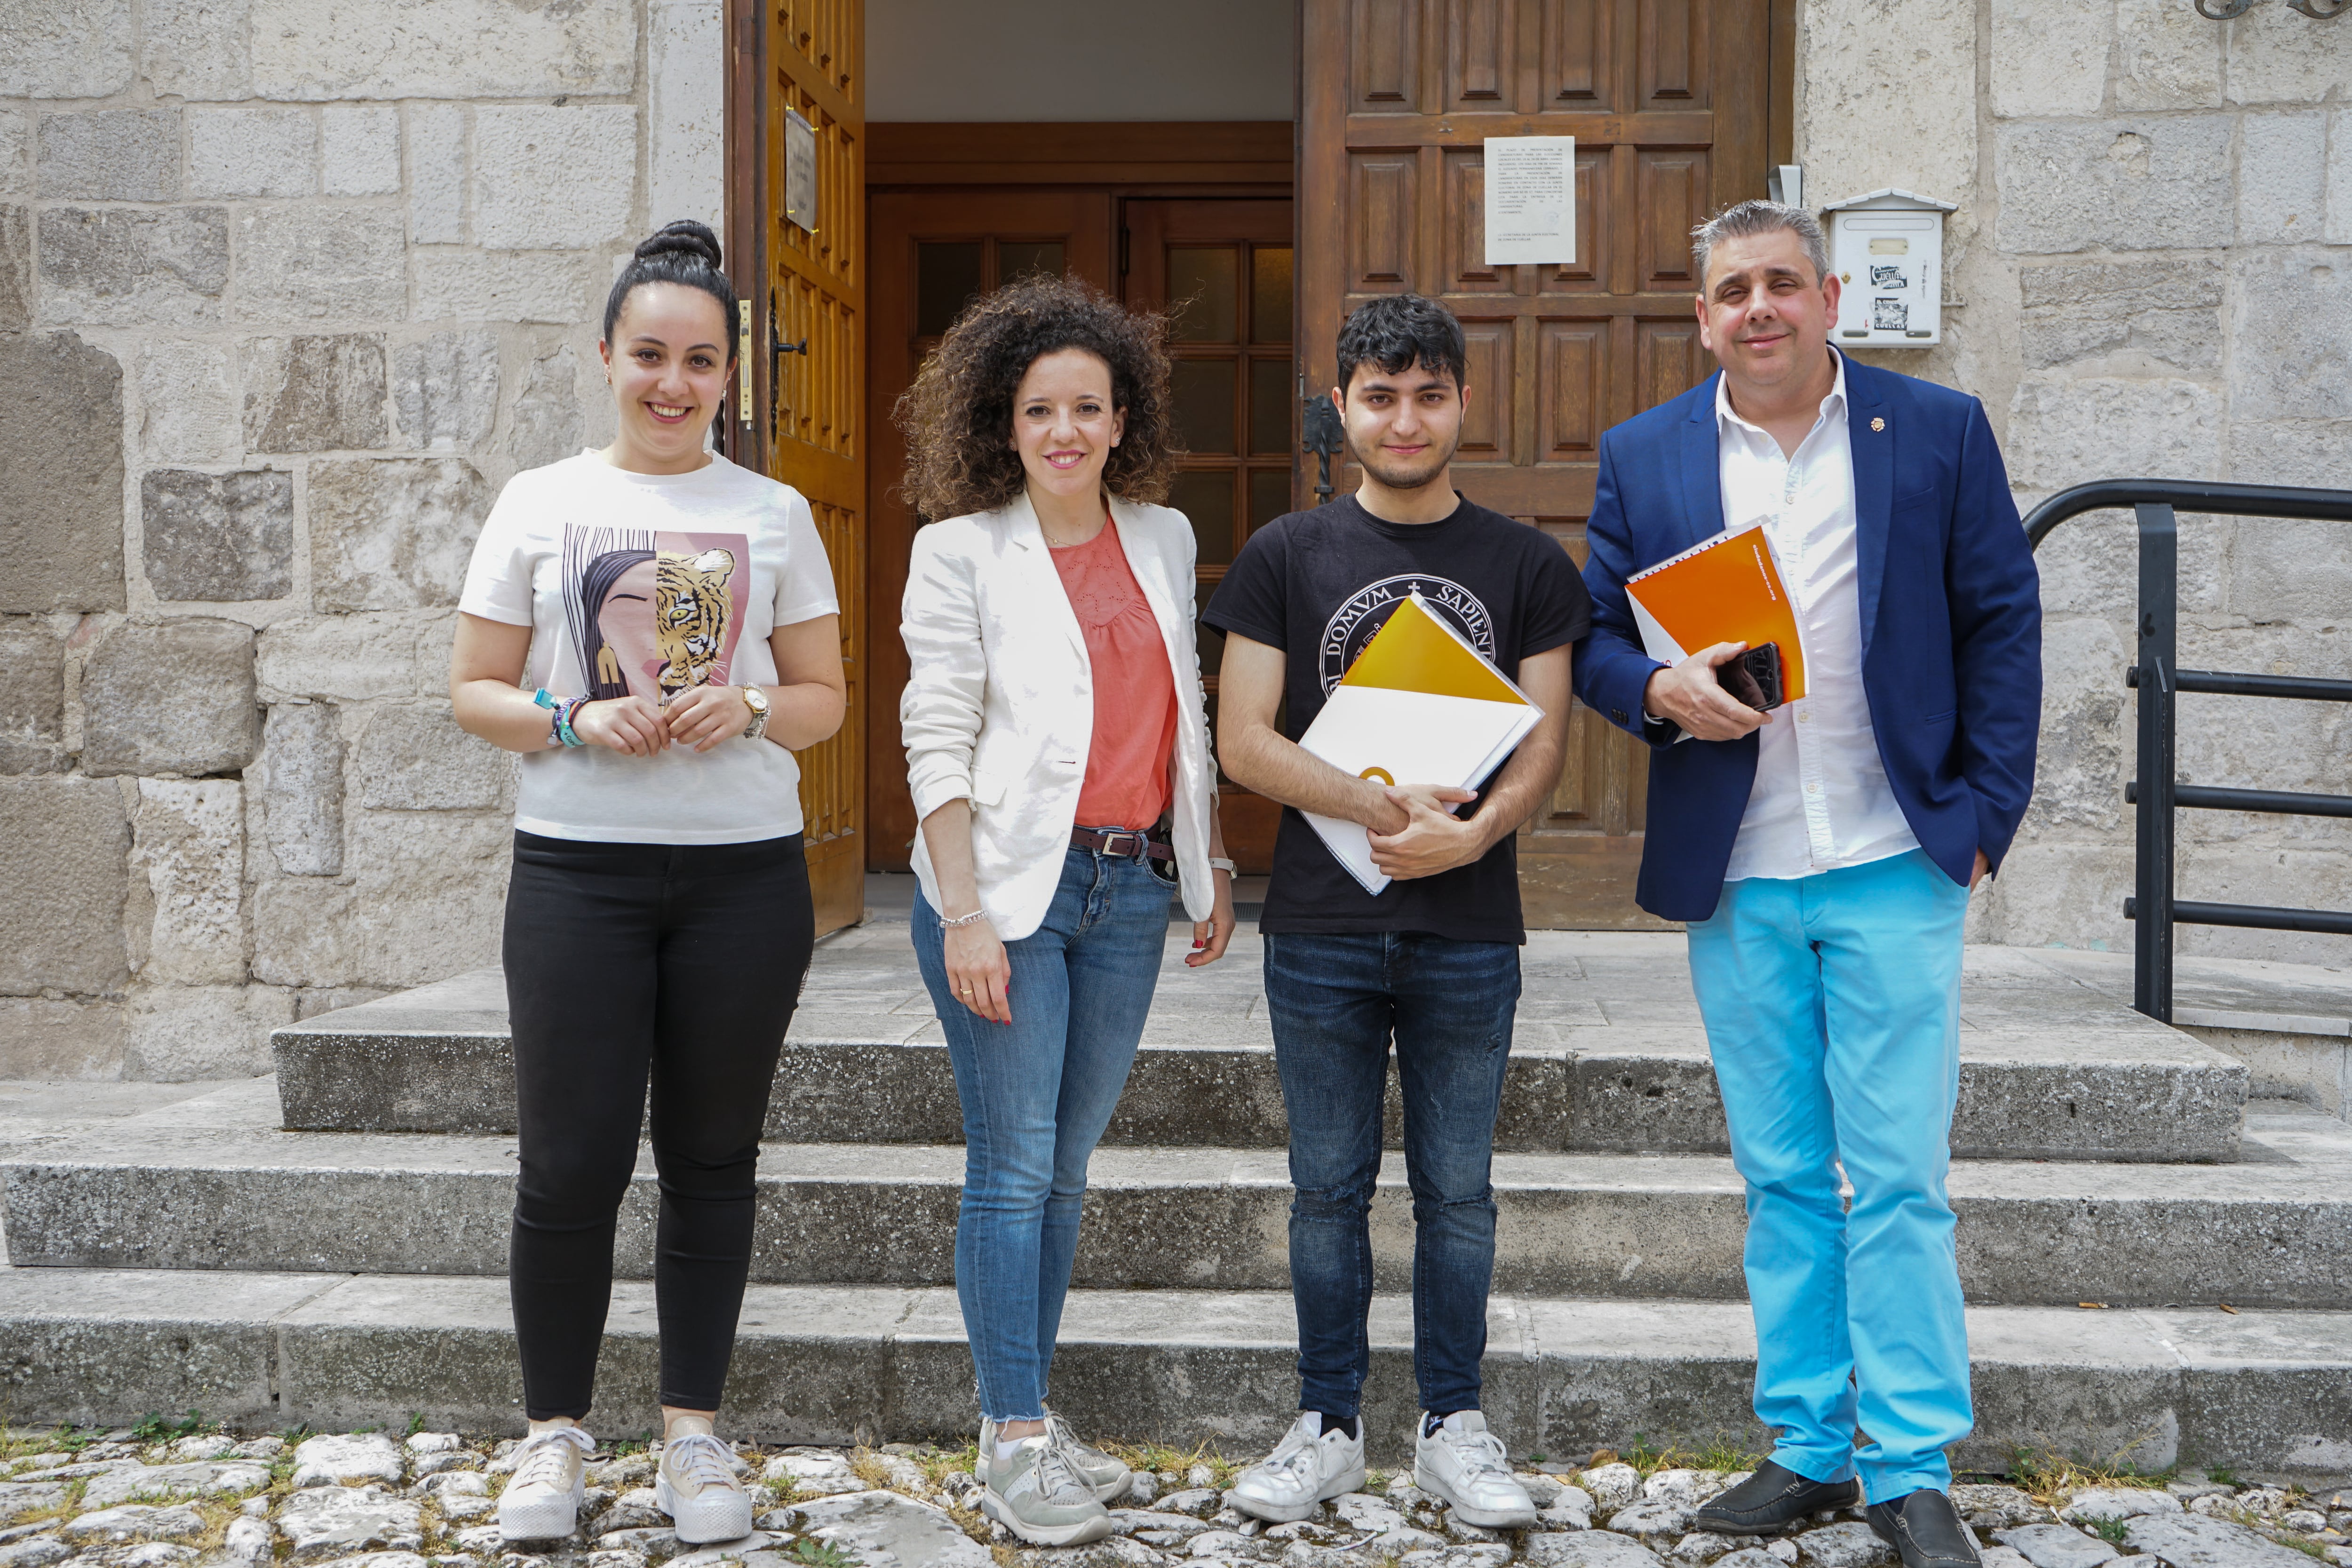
(1000, 709)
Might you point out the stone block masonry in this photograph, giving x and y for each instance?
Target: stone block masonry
(2148, 271)
(294, 289)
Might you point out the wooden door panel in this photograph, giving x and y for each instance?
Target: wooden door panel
(815, 293)
(1385, 200)
(1386, 60)
(1573, 390)
(1674, 54)
(1481, 53)
(1004, 230)
(1672, 191)
(1576, 49)
(1668, 101)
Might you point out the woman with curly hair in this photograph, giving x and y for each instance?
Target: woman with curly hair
(1057, 749)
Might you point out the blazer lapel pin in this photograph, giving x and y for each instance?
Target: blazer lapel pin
(1878, 425)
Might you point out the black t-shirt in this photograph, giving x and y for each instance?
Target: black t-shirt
(1318, 585)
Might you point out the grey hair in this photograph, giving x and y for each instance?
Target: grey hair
(1744, 219)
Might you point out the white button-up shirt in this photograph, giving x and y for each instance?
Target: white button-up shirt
(1820, 798)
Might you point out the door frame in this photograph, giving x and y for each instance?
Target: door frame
(1125, 162)
(1142, 159)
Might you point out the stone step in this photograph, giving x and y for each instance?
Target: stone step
(2262, 1393)
(210, 1183)
(1610, 1058)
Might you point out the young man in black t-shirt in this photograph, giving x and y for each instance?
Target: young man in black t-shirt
(1432, 961)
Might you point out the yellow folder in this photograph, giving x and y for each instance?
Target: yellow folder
(1419, 705)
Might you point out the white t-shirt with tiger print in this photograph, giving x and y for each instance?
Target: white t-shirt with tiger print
(652, 584)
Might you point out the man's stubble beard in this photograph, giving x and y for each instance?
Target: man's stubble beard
(1402, 478)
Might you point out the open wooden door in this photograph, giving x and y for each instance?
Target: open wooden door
(1669, 102)
(810, 396)
(1222, 269)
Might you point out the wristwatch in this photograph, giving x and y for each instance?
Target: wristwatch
(757, 701)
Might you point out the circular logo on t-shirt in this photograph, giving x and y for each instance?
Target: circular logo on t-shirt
(1367, 610)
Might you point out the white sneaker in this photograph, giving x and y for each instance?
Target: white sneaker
(1463, 1465)
(695, 1486)
(1308, 1468)
(541, 1499)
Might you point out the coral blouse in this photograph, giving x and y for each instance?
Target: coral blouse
(1135, 694)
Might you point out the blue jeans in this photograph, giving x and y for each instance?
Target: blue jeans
(1037, 1094)
(1833, 1013)
(1335, 1003)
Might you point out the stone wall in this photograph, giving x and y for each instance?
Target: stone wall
(2153, 256)
(288, 290)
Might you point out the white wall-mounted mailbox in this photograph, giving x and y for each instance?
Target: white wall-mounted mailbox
(1887, 250)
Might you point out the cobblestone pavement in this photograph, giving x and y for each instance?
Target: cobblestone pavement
(88, 1500)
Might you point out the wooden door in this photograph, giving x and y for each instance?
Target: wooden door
(1224, 271)
(814, 403)
(1669, 102)
(932, 252)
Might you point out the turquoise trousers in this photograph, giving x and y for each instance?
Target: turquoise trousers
(1833, 1013)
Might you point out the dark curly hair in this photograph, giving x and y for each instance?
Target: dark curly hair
(957, 415)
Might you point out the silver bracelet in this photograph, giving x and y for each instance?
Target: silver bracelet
(972, 919)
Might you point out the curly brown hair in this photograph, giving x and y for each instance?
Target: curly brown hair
(957, 415)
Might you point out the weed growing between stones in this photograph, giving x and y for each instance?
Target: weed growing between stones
(1720, 1453)
(2046, 1475)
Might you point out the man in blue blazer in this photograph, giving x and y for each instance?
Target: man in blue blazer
(1822, 853)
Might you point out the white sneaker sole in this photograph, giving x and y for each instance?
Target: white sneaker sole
(706, 1519)
(1486, 1518)
(544, 1519)
(1340, 1485)
(1078, 1535)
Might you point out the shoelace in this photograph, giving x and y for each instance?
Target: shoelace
(1059, 1431)
(1056, 1471)
(1480, 1452)
(1295, 1455)
(700, 1460)
(541, 1460)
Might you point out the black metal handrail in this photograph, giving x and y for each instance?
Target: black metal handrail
(2159, 680)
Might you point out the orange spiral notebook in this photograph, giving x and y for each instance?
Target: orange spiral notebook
(1726, 590)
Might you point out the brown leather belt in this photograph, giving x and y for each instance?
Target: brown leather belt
(1126, 844)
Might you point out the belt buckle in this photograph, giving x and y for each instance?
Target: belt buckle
(1110, 843)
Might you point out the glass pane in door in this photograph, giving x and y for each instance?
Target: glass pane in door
(947, 277)
(1270, 294)
(1271, 402)
(1208, 500)
(1021, 258)
(1269, 496)
(1204, 293)
(1203, 390)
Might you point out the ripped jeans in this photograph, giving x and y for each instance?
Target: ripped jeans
(1336, 1003)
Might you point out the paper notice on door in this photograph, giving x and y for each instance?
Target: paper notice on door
(1530, 200)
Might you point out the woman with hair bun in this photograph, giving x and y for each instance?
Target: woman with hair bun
(1057, 749)
(654, 629)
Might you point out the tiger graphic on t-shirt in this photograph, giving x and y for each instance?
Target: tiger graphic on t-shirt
(654, 614)
(690, 618)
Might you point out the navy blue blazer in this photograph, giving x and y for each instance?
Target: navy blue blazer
(1951, 626)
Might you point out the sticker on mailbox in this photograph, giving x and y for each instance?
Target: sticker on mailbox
(1887, 278)
(1890, 316)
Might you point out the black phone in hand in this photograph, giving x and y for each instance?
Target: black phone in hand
(1753, 677)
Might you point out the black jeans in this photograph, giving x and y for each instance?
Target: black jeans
(624, 961)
